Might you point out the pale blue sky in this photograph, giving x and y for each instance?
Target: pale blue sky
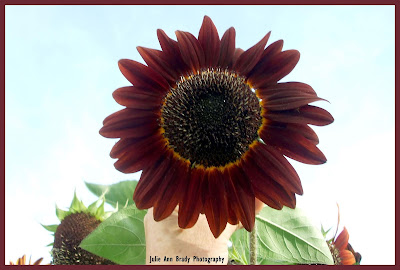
(61, 69)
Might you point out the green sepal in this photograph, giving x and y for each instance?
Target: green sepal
(51, 228)
(77, 206)
(61, 214)
(92, 209)
(100, 211)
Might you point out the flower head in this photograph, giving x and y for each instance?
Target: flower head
(209, 125)
(341, 250)
(76, 223)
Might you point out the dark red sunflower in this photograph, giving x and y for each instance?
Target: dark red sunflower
(209, 125)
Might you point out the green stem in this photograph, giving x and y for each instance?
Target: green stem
(253, 245)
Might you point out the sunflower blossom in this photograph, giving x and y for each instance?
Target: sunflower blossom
(342, 252)
(75, 225)
(209, 126)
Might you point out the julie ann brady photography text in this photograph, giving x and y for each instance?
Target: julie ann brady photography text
(187, 259)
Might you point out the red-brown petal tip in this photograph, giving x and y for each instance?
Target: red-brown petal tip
(209, 40)
(142, 76)
(191, 50)
(227, 49)
(246, 62)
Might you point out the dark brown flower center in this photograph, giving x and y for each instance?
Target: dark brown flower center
(211, 118)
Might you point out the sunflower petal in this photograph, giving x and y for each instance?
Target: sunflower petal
(129, 144)
(269, 52)
(347, 258)
(209, 40)
(215, 205)
(292, 145)
(273, 49)
(189, 208)
(278, 168)
(229, 191)
(156, 61)
(128, 114)
(227, 48)
(137, 98)
(172, 54)
(304, 115)
(286, 96)
(242, 201)
(266, 184)
(143, 76)
(145, 192)
(168, 45)
(303, 130)
(275, 103)
(238, 52)
(265, 188)
(248, 59)
(130, 127)
(171, 189)
(232, 218)
(286, 89)
(191, 50)
(38, 261)
(275, 69)
(140, 155)
(258, 193)
(342, 240)
(357, 255)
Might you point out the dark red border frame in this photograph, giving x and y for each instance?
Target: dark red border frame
(200, 2)
(2, 128)
(374, 231)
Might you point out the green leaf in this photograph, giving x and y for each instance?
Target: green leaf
(92, 208)
(120, 193)
(284, 237)
(239, 249)
(120, 238)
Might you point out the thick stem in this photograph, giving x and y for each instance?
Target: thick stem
(253, 245)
